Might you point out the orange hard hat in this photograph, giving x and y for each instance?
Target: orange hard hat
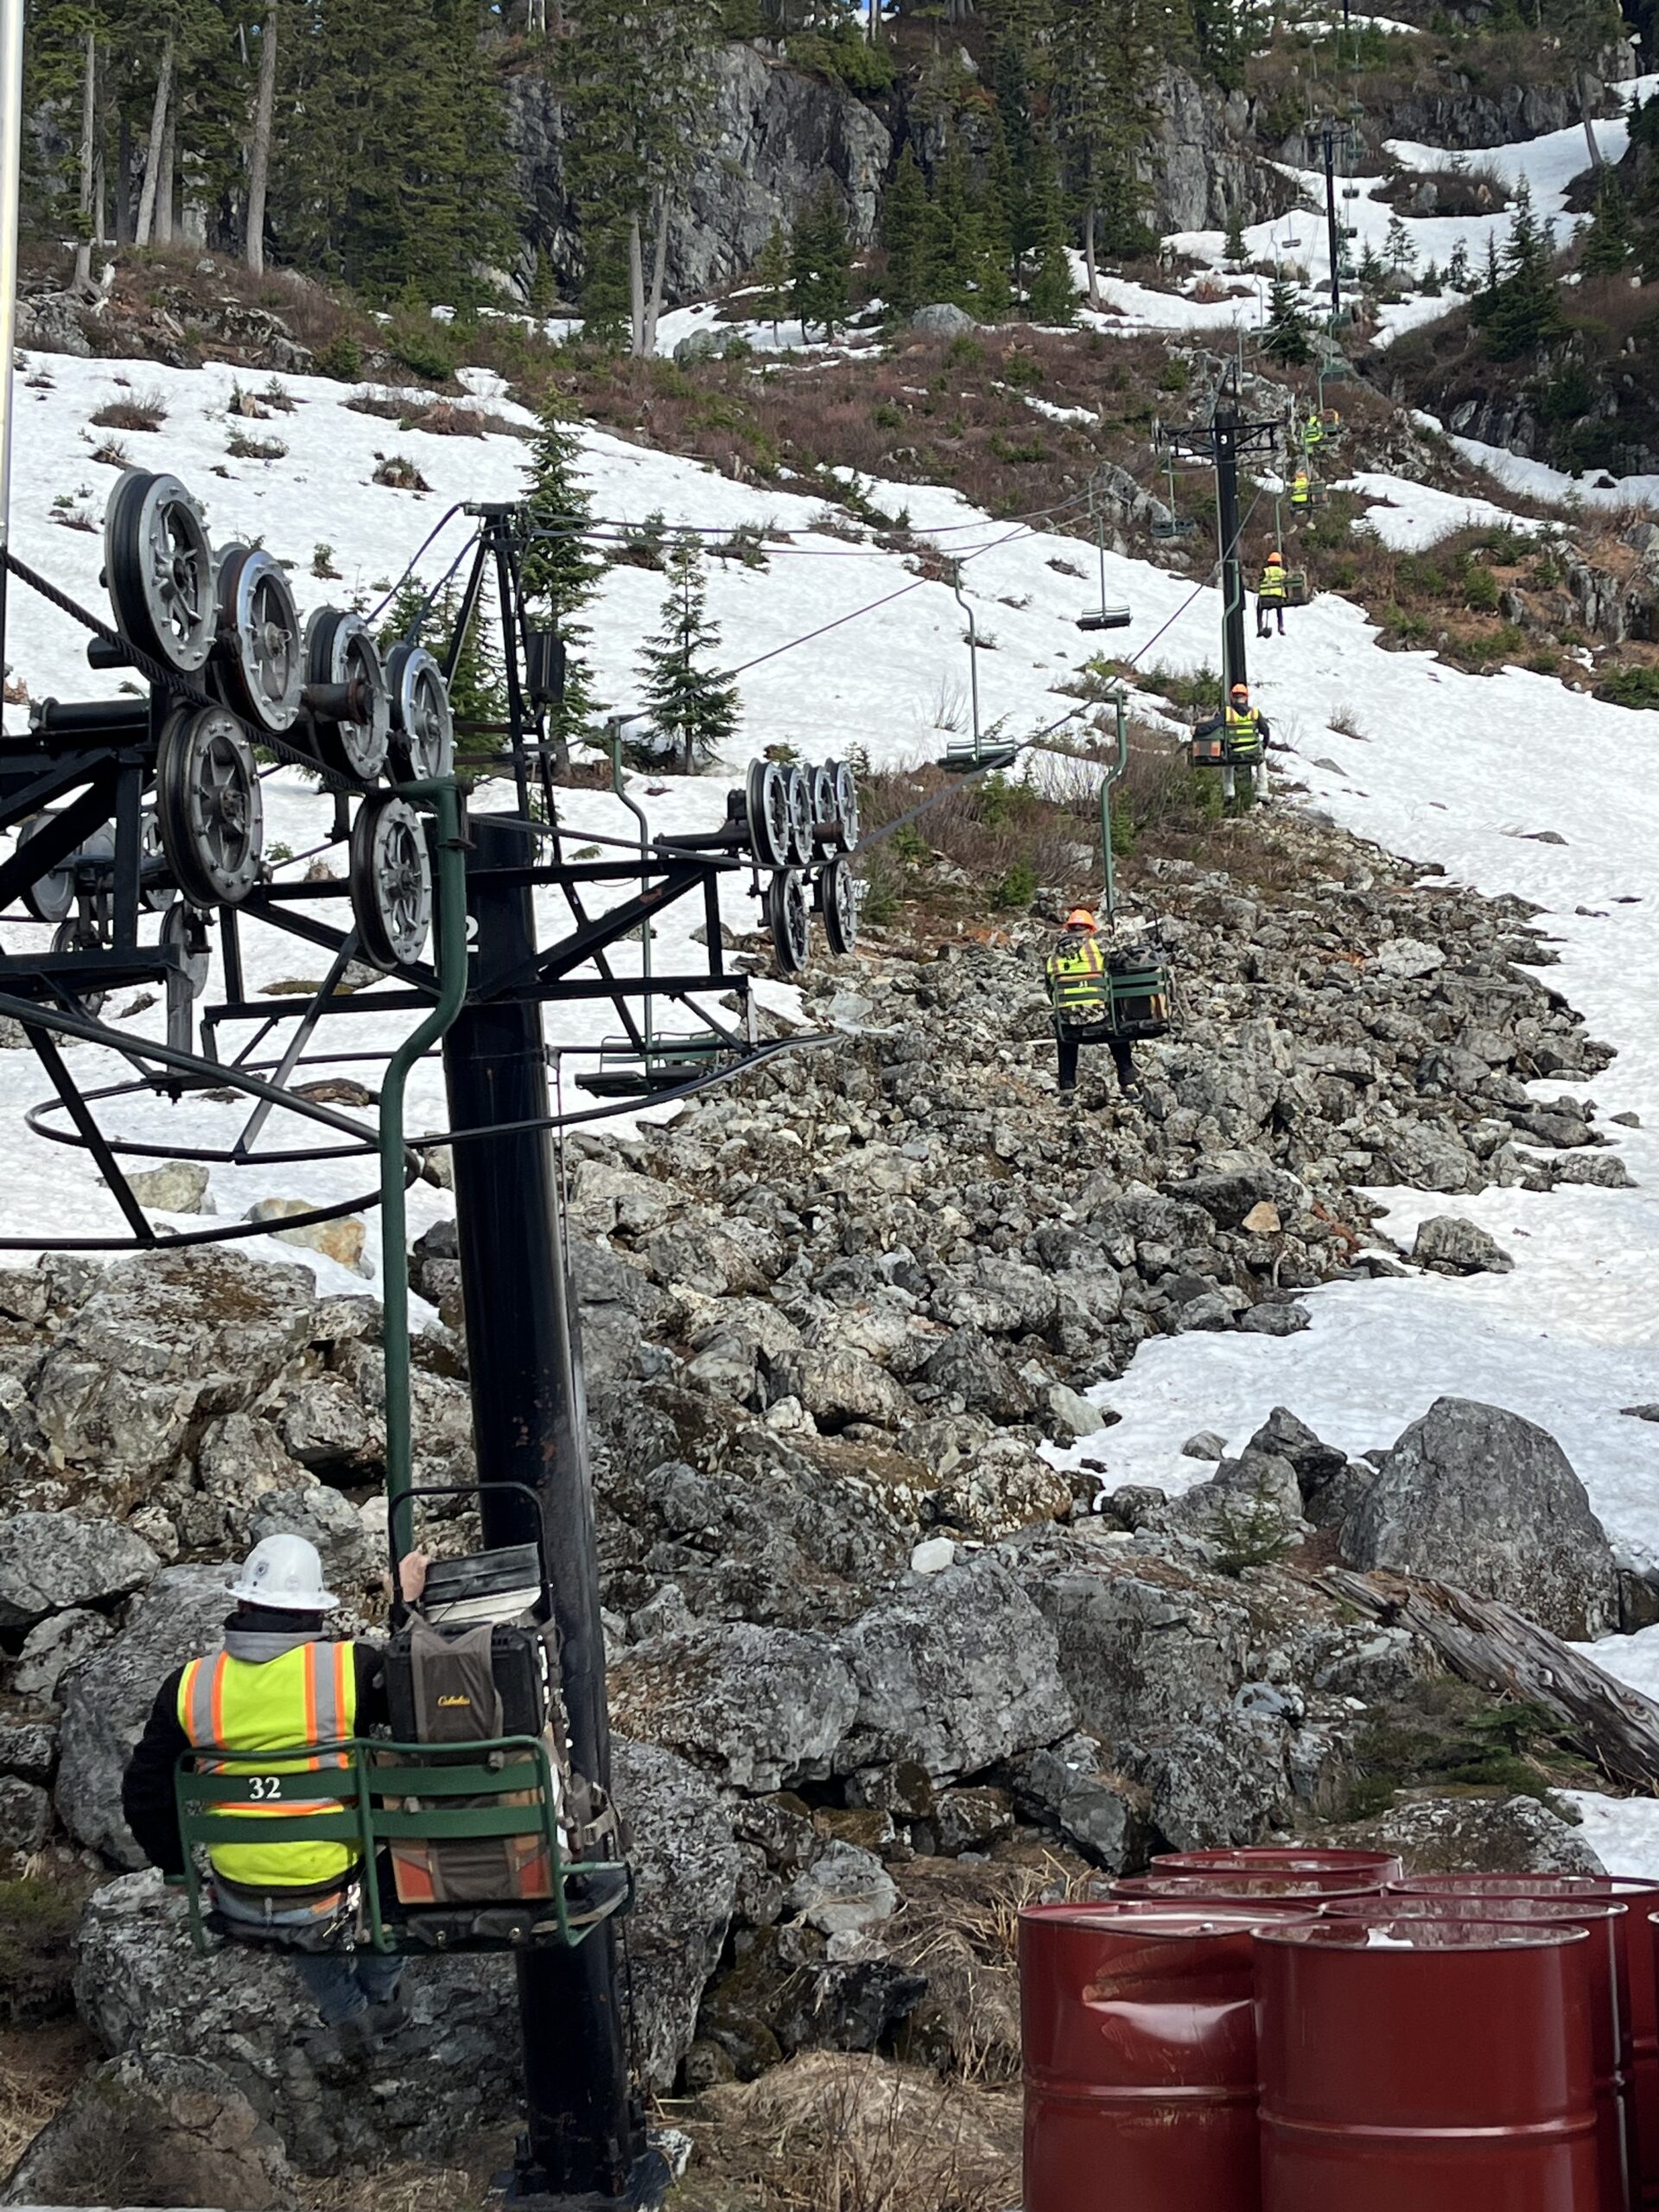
(1275, 560)
(1080, 918)
(1240, 692)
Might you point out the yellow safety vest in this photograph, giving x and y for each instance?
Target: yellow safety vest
(1243, 736)
(309, 1695)
(1077, 981)
(1312, 432)
(1272, 585)
(1301, 493)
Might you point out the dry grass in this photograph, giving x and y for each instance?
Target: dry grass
(241, 446)
(399, 473)
(38, 2068)
(841, 2132)
(140, 410)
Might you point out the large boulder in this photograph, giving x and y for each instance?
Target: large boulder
(50, 1561)
(162, 1342)
(686, 1868)
(154, 2128)
(450, 2077)
(956, 1672)
(1477, 1496)
(1474, 1834)
(762, 1707)
(107, 1700)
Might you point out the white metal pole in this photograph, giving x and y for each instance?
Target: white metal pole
(11, 155)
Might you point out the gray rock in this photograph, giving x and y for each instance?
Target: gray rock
(844, 1891)
(686, 1870)
(1212, 1309)
(1250, 1510)
(1475, 1834)
(841, 1386)
(1408, 958)
(945, 320)
(1451, 1246)
(1601, 1171)
(1204, 1445)
(1071, 1414)
(1642, 1413)
(53, 1646)
(1217, 1785)
(323, 1423)
(450, 2077)
(762, 1707)
(51, 1561)
(1096, 1810)
(151, 2128)
(957, 1672)
(28, 1748)
(178, 1187)
(161, 1342)
(1477, 1496)
(352, 1559)
(1005, 1484)
(1272, 1319)
(107, 1700)
(1283, 1436)
(25, 1816)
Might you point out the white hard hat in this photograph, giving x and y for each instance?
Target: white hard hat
(285, 1573)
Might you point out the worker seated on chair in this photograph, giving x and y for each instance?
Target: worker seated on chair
(1244, 727)
(1313, 433)
(276, 1684)
(1081, 995)
(1301, 491)
(1271, 593)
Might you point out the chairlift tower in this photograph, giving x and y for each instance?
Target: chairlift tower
(1222, 443)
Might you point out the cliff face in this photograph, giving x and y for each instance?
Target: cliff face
(777, 133)
(1204, 159)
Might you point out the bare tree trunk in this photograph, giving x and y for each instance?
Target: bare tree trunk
(1584, 82)
(536, 22)
(166, 190)
(658, 270)
(260, 151)
(1088, 255)
(88, 149)
(122, 181)
(157, 136)
(636, 286)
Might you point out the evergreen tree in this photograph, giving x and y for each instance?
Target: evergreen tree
(771, 275)
(1287, 337)
(1104, 56)
(561, 574)
(478, 689)
(1053, 296)
(1015, 157)
(1237, 251)
(639, 94)
(1523, 308)
(904, 234)
(1607, 244)
(1457, 268)
(1397, 246)
(955, 238)
(403, 193)
(822, 263)
(543, 293)
(694, 708)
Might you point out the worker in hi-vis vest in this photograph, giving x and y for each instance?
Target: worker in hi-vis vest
(1080, 993)
(1271, 593)
(278, 1683)
(1245, 729)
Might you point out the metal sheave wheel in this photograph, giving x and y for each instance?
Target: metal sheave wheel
(81, 936)
(789, 917)
(208, 801)
(158, 564)
(259, 639)
(846, 808)
(340, 651)
(838, 904)
(185, 930)
(51, 896)
(823, 802)
(767, 803)
(422, 724)
(391, 882)
(798, 790)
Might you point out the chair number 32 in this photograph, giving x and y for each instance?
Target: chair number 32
(262, 1786)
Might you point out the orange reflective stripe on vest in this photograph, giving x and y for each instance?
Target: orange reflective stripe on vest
(303, 1698)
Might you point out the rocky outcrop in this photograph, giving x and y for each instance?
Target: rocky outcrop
(1479, 1497)
(1471, 1834)
(154, 2128)
(1203, 159)
(774, 134)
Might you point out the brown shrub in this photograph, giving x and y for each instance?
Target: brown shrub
(145, 410)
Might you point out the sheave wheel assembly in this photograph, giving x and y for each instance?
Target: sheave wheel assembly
(208, 802)
(345, 689)
(259, 639)
(422, 724)
(391, 882)
(789, 917)
(159, 566)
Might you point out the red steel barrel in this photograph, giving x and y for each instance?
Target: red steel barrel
(1240, 1888)
(1139, 2034)
(1358, 1869)
(1604, 1921)
(1642, 1898)
(1425, 2065)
